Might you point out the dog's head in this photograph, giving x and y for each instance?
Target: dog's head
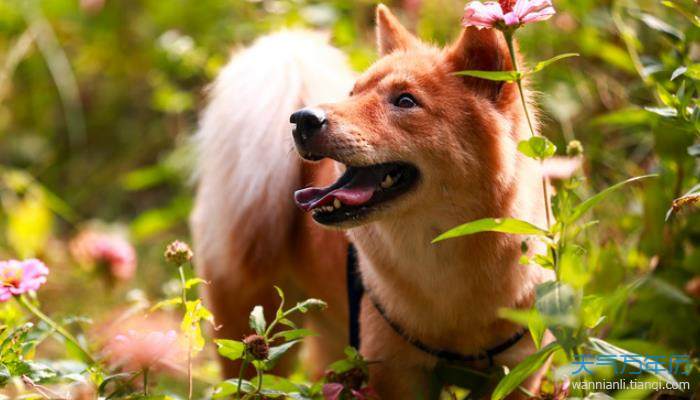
(412, 134)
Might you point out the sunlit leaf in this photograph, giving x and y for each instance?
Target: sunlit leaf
(591, 202)
(537, 147)
(503, 76)
(293, 334)
(603, 347)
(166, 303)
(663, 111)
(669, 291)
(544, 64)
(678, 72)
(229, 387)
(523, 370)
(504, 225)
(231, 349)
(257, 320)
(661, 26)
(190, 283)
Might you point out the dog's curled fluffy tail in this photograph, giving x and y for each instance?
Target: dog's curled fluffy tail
(247, 168)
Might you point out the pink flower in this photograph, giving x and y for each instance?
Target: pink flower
(506, 13)
(561, 167)
(333, 391)
(19, 277)
(96, 247)
(137, 350)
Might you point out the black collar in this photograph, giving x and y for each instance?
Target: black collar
(355, 292)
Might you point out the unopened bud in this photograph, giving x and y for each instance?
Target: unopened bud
(178, 253)
(257, 347)
(574, 148)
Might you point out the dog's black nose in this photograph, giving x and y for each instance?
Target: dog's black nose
(309, 121)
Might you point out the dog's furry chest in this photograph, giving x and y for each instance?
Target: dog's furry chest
(447, 295)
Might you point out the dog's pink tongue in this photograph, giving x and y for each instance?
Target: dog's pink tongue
(310, 198)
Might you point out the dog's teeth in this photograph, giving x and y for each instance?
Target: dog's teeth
(387, 182)
(337, 203)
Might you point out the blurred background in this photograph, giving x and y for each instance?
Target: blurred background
(99, 100)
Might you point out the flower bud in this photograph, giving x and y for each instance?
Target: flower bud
(178, 253)
(352, 379)
(574, 148)
(256, 346)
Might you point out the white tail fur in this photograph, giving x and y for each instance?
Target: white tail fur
(247, 167)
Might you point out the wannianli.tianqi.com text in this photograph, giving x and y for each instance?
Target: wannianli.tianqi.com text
(622, 384)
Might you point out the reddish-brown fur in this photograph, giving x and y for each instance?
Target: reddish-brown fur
(463, 139)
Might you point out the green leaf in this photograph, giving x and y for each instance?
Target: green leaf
(501, 76)
(694, 150)
(293, 334)
(678, 72)
(666, 112)
(537, 147)
(572, 268)
(557, 301)
(594, 200)
(603, 347)
(592, 311)
(523, 370)
(193, 282)
(661, 26)
(504, 225)
(231, 349)
(278, 351)
(166, 303)
(286, 322)
(529, 318)
(277, 383)
(257, 320)
(280, 309)
(311, 304)
(544, 64)
(230, 387)
(668, 290)
(693, 71)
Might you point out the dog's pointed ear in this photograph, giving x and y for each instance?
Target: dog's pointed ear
(391, 35)
(482, 50)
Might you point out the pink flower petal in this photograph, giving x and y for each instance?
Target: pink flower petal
(533, 10)
(482, 15)
(539, 16)
(511, 19)
(561, 167)
(332, 391)
(18, 277)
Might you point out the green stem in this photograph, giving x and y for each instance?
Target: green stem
(260, 380)
(145, 381)
(276, 320)
(183, 282)
(56, 327)
(509, 39)
(244, 364)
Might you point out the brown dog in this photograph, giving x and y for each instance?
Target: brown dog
(414, 150)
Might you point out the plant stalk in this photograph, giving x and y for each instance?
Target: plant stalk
(183, 282)
(58, 328)
(545, 191)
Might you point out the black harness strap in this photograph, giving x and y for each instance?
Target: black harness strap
(355, 292)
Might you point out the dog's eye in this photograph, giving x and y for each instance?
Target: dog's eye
(405, 100)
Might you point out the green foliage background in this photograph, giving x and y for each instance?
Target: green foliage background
(98, 100)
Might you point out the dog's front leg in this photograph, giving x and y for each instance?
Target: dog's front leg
(398, 371)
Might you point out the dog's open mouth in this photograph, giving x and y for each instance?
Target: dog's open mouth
(359, 191)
